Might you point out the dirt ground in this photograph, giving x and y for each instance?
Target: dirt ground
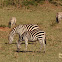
(4, 29)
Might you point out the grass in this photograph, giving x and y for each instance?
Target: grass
(44, 16)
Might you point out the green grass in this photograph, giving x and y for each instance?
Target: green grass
(44, 16)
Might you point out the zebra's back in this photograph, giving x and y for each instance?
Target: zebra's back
(31, 27)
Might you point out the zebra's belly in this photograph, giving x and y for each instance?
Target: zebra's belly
(32, 39)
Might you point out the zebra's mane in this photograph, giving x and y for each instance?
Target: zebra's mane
(27, 27)
(13, 29)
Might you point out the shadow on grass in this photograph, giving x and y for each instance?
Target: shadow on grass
(21, 43)
(10, 44)
(23, 51)
(30, 51)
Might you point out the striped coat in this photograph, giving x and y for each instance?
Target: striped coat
(35, 35)
(20, 29)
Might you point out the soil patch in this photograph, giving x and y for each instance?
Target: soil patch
(4, 29)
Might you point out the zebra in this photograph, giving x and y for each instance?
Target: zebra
(20, 29)
(58, 17)
(12, 22)
(35, 35)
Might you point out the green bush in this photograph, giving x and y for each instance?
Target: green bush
(10, 2)
(26, 3)
(54, 2)
(3, 26)
(39, 1)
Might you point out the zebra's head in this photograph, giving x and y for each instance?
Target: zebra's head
(10, 38)
(20, 29)
(11, 35)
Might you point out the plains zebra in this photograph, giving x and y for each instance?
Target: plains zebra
(20, 29)
(12, 22)
(35, 35)
(58, 17)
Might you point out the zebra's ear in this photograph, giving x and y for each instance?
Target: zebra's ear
(9, 24)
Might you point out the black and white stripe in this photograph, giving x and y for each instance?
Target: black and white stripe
(20, 29)
(31, 27)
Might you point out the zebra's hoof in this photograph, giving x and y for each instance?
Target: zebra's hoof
(17, 51)
(44, 51)
(9, 43)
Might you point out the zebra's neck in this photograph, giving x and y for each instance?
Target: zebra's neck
(13, 32)
(20, 29)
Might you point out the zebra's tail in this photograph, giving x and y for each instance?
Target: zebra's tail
(45, 40)
(57, 19)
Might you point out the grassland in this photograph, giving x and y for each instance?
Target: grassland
(44, 16)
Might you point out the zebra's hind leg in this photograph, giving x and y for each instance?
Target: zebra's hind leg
(41, 43)
(43, 40)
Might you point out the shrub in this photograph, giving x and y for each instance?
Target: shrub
(3, 26)
(54, 2)
(10, 2)
(26, 3)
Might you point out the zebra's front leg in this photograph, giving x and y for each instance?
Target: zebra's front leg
(42, 42)
(26, 43)
(18, 46)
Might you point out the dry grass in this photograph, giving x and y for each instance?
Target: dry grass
(44, 16)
